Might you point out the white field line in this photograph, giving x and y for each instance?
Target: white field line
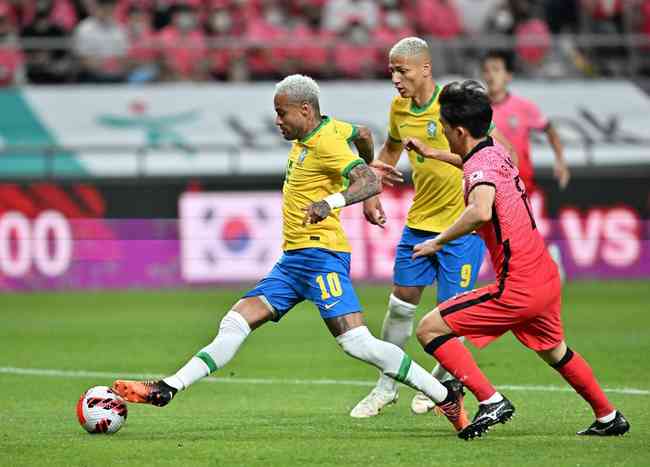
(333, 382)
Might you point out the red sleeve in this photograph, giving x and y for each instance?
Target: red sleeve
(536, 119)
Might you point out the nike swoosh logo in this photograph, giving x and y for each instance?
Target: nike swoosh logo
(330, 305)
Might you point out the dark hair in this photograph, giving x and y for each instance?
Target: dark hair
(467, 104)
(505, 56)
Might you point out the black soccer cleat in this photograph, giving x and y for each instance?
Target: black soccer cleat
(487, 415)
(617, 427)
(156, 393)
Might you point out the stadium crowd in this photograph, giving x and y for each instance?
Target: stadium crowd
(109, 41)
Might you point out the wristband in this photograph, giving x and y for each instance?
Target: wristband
(337, 200)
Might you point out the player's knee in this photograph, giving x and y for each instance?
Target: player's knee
(558, 356)
(400, 309)
(427, 328)
(410, 295)
(254, 310)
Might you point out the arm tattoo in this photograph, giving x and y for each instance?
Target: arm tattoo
(364, 144)
(320, 209)
(363, 185)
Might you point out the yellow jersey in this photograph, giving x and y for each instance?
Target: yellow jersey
(318, 166)
(438, 199)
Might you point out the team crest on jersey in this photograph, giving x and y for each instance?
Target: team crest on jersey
(432, 127)
(301, 157)
(513, 121)
(476, 176)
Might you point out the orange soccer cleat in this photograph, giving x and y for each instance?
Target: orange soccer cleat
(156, 393)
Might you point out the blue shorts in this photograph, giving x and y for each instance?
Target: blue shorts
(315, 274)
(455, 267)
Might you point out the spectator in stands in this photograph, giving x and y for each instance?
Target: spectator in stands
(267, 35)
(532, 41)
(143, 51)
(308, 50)
(339, 14)
(311, 11)
(437, 18)
(475, 14)
(11, 58)
(440, 20)
(164, 10)
(562, 15)
(124, 8)
(183, 47)
(226, 59)
(46, 64)
(354, 55)
(101, 45)
(84, 8)
(605, 18)
(61, 13)
(393, 27)
(644, 27)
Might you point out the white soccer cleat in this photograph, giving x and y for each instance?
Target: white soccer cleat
(421, 404)
(373, 403)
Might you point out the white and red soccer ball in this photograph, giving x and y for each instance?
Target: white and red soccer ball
(100, 410)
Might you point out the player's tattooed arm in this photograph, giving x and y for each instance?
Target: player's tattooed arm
(316, 212)
(364, 144)
(363, 184)
(387, 173)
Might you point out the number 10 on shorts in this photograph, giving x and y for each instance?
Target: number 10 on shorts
(330, 289)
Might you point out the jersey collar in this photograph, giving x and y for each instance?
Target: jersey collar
(324, 121)
(482, 145)
(418, 110)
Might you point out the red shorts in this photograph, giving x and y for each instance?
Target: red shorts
(532, 314)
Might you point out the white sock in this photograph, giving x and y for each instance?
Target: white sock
(607, 418)
(420, 379)
(233, 330)
(397, 328)
(493, 399)
(439, 371)
(391, 360)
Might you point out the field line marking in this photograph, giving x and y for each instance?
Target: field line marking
(9, 370)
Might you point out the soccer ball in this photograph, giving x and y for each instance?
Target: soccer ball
(100, 410)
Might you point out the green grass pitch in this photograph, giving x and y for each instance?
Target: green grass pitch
(278, 417)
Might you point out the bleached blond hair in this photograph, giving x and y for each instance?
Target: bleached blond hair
(409, 47)
(299, 88)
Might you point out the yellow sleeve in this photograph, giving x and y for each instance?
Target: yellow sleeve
(393, 132)
(347, 130)
(337, 157)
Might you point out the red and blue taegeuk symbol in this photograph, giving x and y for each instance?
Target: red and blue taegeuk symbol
(236, 234)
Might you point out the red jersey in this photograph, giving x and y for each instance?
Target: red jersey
(515, 117)
(519, 255)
